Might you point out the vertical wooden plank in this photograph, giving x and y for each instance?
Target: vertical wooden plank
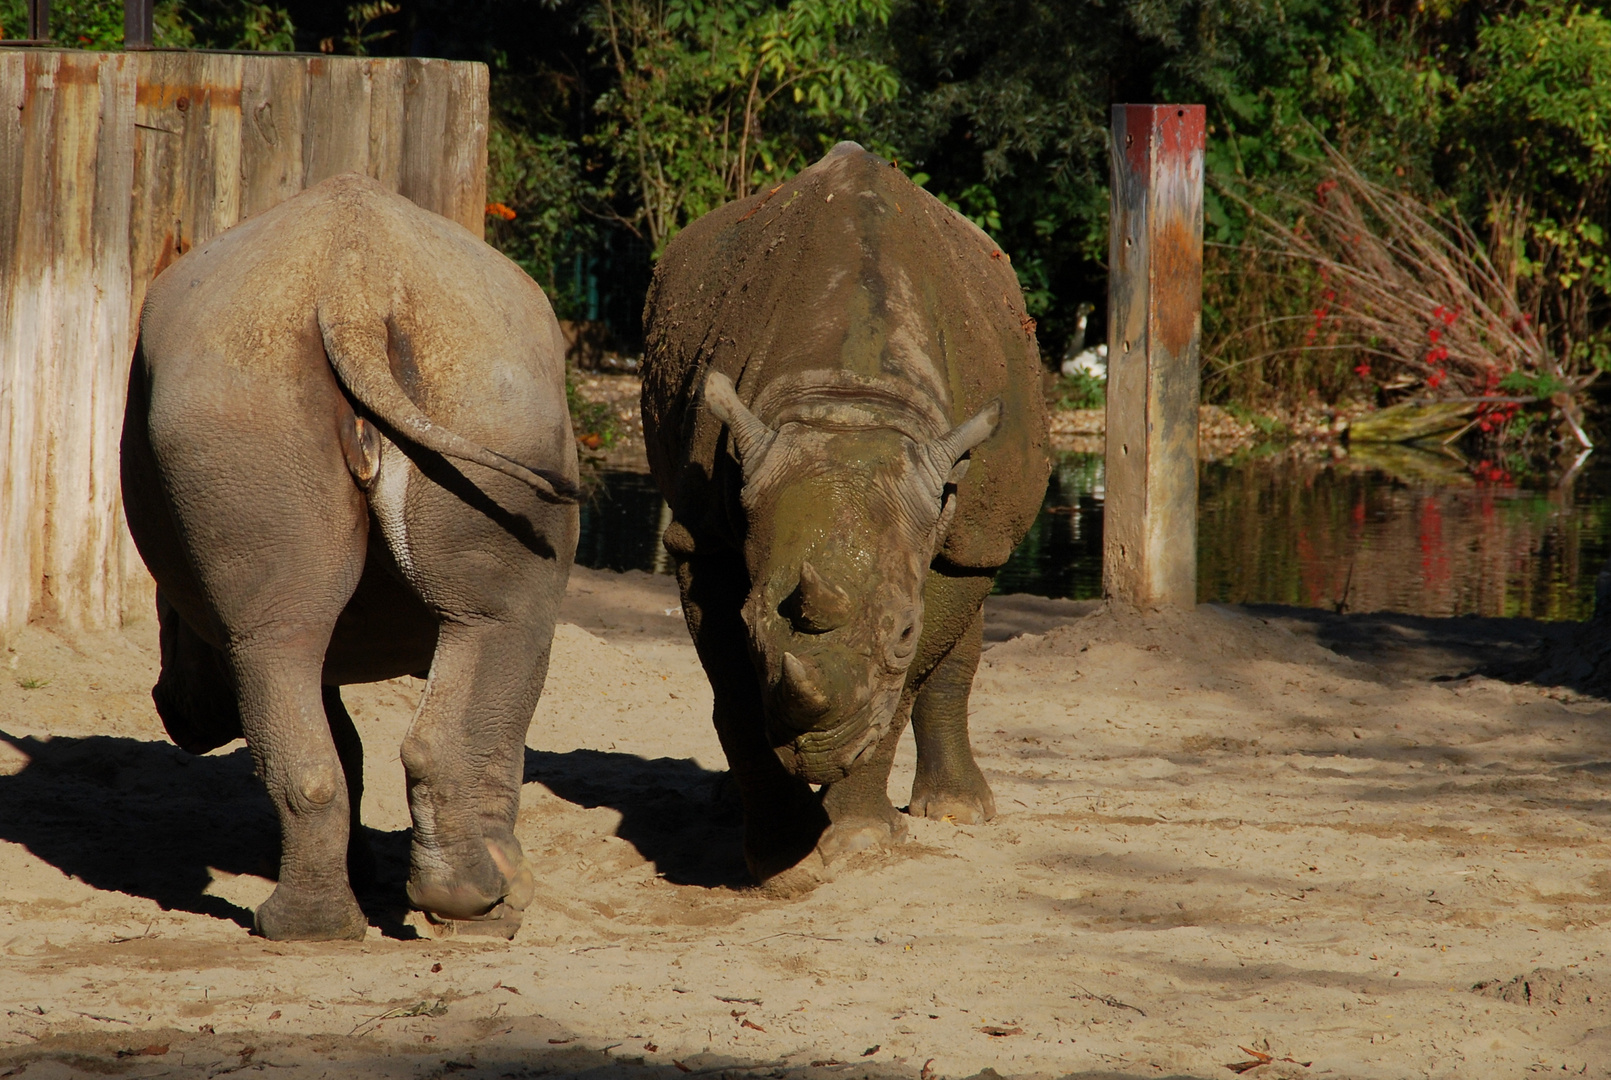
(28, 82)
(335, 138)
(274, 102)
(425, 96)
(386, 77)
(464, 161)
(187, 157)
(1155, 261)
(445, 140)
(65, 338)
(111, 166)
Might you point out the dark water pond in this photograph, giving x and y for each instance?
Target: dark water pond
(1392, 530)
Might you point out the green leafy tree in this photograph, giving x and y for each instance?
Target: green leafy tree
(712, 99)
(1531, 136)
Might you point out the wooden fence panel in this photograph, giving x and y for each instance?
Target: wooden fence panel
(111, 166)
(66, 287)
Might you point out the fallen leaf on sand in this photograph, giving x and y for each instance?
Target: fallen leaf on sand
(871, 1050)
(927, 1072)
(1260, 1057)
(651, 1047)
(752, 1027)
(680, 1066)
(998, 1031)
(154, 1050)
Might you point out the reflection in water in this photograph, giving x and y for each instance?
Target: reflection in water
(1389, 528)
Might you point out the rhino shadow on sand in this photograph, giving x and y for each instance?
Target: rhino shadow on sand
(148, 819)
(685, 819)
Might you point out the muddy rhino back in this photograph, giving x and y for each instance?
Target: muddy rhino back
(849, 268)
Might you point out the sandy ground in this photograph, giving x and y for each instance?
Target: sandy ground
(1313, 837)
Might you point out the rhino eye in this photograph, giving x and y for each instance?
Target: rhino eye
(906, 641)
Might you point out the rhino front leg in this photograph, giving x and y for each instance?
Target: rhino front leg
(858, 806)
(783, 818)
(949, 785)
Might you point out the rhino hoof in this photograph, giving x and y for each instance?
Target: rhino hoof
(291, 914)
(502, 921)
(958, 810)
(860, 834)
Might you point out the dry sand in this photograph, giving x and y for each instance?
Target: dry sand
(1216, 833)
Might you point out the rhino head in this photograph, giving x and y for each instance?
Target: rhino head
(841, 524)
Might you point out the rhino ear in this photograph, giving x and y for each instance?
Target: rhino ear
(942, 457)
(751, 438)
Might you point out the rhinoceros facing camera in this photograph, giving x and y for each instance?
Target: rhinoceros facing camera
(843, 408)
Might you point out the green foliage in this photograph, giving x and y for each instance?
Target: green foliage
(1081, 390)
(177, 24)
(714, 99)
(594, 422)
(1531, 148)
(1528, 384)
(536, 176)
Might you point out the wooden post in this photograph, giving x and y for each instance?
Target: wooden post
(1155, 293)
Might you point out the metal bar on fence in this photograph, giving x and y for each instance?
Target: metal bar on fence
(38, 20)
(138, 26)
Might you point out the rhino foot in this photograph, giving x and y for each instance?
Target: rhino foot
(292, 914)
(859, 834)
(502, 921)
(963, 802)
(477, 891)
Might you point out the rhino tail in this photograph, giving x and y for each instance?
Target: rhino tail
(357, 352)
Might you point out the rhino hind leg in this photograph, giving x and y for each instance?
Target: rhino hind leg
(350, 749)
(949, 785)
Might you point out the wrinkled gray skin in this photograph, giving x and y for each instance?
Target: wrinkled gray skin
(842, 406)
(306, 472)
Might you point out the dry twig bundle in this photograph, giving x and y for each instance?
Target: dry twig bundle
(1412, 293)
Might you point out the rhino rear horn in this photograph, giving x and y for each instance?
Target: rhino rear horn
(751, 438)
(802, 693)
(817, 605)
(943, 456)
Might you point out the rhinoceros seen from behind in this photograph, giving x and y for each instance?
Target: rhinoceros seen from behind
(307, 473)
(842, 404)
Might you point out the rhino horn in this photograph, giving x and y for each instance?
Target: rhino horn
(750, 435)
(943, 456)
(803, 695)
(820, 606)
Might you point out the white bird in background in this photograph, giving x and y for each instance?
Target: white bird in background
(1078, 359)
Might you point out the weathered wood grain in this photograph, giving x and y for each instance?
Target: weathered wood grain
(113, 165)
(1155, 259)
(274, 103)
(68, 164)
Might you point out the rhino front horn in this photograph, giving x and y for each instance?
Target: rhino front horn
(817, 606)
(803, 696)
